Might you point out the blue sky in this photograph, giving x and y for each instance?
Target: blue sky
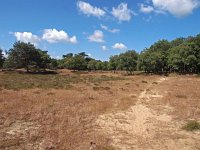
(99, 27)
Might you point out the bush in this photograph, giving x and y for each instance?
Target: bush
(144, 81)
(192, 125)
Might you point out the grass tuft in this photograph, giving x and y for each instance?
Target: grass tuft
(181, 96)
(192, 125)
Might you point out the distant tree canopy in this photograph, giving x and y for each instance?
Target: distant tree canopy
(181, 55)
(25, 55)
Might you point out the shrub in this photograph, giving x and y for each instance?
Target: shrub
(192, 125)
(144, 81)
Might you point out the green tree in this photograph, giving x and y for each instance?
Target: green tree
(92, 65)
(43, 59)
(53, 64)
(105, 65)
(146, 61)
(77, 62)
(99, 65)
(25, 55)
(154, 59)
(128, 61)
(69, 55)
(113, 63)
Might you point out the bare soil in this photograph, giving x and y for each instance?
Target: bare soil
(121, 113)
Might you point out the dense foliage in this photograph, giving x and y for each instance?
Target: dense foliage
(25, 55)
(181, 55)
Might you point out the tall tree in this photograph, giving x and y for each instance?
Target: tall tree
(92, 65)
(113, 63)
(128, 61)
(25, 55)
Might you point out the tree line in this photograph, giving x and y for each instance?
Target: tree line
(181, 55)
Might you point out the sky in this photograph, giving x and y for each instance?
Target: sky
(100, 28)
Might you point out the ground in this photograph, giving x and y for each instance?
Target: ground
(98, 111)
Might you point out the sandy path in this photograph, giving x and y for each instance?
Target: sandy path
(141, 127)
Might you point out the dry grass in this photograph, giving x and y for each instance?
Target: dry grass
(58, 118)
(41, 114)
(182, 93)
(16, 81)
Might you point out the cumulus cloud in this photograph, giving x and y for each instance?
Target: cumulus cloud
(27, 37)
(55, 36)
(110, 30)
(120, 46)
(90, 10)
(97, 36)
(178, 8)
(122, 13)
(104, 48)
(146, 9)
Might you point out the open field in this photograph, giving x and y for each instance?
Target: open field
(98, 111)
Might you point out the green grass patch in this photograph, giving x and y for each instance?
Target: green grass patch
(192, 125)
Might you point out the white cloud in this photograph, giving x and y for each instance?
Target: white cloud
(104, 27)
(122, 13)
(146, 9)
(27, 37)
(4, 54)
(104, 48)
(178, 8)
(73, 40)
(55, 36)
(110, 30)
(97, 36)
(120, 46)
(90, 10)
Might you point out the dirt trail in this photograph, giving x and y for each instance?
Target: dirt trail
(141, 127)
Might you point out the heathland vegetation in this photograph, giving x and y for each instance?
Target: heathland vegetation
(181, 55)
(85, 105)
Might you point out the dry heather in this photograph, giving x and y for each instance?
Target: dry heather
(98, 111)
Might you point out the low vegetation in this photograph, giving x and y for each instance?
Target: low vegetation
(60, 119)
(37, 111)
(16, 81)
(192, 126)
